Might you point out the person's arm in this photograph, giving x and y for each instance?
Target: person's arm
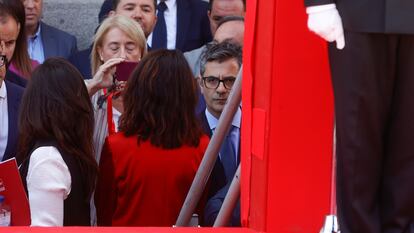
(103, 77)
(48, 184)
(325, 21)
(213, 206)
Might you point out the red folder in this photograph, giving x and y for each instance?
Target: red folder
(11, 188)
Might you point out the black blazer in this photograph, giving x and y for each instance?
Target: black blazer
(14, 96)
(377, 16)
(57, 43)
(193, 26)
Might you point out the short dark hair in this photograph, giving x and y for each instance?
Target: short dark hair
(210, 4)
(106, 7)
(226, 19)
(56, 106)
(115, 4)
(21, 59)
(160, 101)
(220, 52)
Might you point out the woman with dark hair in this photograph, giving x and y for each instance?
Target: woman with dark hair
(12, 13)
(147, 168)
(56, 127)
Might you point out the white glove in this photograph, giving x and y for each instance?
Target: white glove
(325, 21)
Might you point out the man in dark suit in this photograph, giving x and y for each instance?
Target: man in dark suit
(230, 29)
(219, 68)
(81, 59)
(10, 96)
(372, 67)
(45, 41)
(142, 11)
(181, 24)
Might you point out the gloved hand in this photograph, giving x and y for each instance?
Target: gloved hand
(325, 21)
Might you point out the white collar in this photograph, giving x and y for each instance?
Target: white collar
(37, 34)
(213, 121)
(170, 3)
(3, 91)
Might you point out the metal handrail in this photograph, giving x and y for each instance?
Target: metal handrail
(210, 156)
(230, 202)
(330, 224)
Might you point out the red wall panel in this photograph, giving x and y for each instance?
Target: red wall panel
(291, 103)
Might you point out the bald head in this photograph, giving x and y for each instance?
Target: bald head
(223, 8)
(230, 31)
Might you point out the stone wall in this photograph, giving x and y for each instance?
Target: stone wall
(78, 17)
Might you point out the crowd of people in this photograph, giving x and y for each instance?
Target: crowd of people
(95, 149)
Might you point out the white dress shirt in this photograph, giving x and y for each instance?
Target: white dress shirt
(4, 119)
(170, 16)
(35, 46)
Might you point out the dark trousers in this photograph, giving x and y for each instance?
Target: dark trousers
(373, 81)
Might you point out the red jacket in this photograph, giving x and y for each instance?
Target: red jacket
(143, 185)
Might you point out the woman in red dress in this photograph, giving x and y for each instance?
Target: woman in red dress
(147, 168)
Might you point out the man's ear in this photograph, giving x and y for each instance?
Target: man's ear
(111, 13)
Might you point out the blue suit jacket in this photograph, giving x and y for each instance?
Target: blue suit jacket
(217, 178)
(57, 43)
(213, 207)
(82, 61)
(14, 96)
(193, 26)
(218, 188)
(16, 79)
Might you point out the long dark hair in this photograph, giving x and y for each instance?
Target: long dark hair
(56, 106)
(20, 59)
(160, 100)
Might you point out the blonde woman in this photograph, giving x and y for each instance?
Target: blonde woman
(118, 39)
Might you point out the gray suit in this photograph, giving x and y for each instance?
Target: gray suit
(193, 58)
(57, 43)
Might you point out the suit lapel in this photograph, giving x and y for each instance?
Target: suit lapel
(183, 21)
(12, 108)
(216, 177)
(48, 40)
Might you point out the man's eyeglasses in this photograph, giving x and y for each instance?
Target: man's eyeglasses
(212, 82)
(3, 60)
